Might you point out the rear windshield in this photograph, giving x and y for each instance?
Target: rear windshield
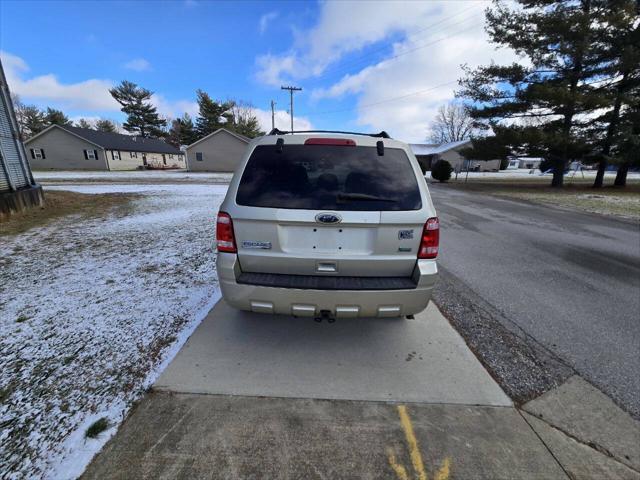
(328, 177)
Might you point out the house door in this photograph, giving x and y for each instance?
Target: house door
(144, 159)
(164, 159)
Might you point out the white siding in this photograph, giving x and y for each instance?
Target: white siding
(12, 170)
(127, 161)
(64, 151)
(221, 152)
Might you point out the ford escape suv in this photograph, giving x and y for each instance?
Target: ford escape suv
(327, 224)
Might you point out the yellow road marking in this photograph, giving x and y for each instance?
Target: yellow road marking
(416, 457)
(401, 472)
(443, 473)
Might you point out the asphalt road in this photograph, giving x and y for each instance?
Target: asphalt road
(570, 281)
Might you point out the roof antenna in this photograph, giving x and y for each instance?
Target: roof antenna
(279, 145)
(380, 147)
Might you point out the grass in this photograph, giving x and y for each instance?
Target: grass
(578, 195)
(60, 203)
(97, 427)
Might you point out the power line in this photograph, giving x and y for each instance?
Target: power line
(402, 96)
(406, 52)
(346, 66)
(369, 105)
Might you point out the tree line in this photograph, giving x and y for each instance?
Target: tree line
(574, 95)
(32, 120)
(144, 120)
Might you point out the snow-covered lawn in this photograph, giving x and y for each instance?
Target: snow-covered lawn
(90, 312)
(535, 174)
(135, 176)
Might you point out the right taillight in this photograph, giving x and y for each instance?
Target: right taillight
(430, 239)
(224, 234)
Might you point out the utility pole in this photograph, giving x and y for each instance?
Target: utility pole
(273, 115)
(291, 90)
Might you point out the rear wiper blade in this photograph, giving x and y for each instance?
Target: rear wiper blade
(342, 197)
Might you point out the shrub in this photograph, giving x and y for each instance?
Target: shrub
(441, 170)
(97, 427)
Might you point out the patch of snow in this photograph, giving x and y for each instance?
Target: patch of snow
(142, 176)
(91, 311)
(530, 173)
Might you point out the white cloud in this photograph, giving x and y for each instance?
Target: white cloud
(282, 120)
(344, 27)
(175, 108)
(265, 20)
(432, 41)
(91, 119)
(138, 65)
(92, 94)
(87, 96)
(271, 68)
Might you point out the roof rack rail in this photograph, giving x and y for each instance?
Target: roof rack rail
(382, 134)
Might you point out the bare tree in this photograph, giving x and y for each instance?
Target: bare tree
(243, 119)
(19, 108)
(452, 123)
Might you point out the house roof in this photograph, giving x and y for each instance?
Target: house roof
(237, 135)
(433, 148)
(116, 141)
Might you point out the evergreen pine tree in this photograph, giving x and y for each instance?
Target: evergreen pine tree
(556, 87)
(188, 130)
(182, 131)
(212, 114)
(142, 116)
(82, 123)
(56, 117)
(33, 121)
(620, 42)
(626, 146)
(104, 125)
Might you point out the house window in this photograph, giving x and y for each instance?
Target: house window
(133, 154)
(171, 156)
(91, 154)
(198, 156)
(115, 155)
(37, 154)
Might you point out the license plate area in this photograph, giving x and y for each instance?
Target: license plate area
(327, 240)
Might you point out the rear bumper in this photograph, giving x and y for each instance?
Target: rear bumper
(341, 303)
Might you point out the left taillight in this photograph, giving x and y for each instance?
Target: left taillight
(430, 239)
(224, 234)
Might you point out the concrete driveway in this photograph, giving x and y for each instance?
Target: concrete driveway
(252, 396)
(243, 353)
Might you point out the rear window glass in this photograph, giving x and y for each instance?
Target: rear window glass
(328, 177)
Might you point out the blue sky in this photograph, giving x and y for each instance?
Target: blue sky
(353, 59)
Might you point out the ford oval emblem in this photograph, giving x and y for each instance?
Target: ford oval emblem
(328, 218)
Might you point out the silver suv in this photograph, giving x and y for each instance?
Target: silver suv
(328, 224)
